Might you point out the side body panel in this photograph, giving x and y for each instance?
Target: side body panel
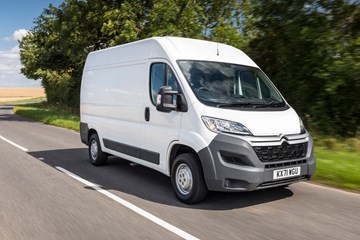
(114, 110)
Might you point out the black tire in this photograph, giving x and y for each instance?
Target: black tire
(96, 155)
(193, 191)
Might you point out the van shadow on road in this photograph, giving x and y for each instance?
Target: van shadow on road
(148, 184)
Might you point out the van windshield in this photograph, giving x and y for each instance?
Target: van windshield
(227, 85)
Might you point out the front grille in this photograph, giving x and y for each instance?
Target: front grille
(283, 152)
(284, 164)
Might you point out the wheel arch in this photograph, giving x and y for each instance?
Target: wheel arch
(204, 157)
(91, 132)
(178, 149)
(86, 130)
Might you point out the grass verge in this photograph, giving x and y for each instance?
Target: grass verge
(338, 168)
(51, 115)
(338, 160)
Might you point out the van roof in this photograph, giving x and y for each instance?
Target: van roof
(170, 48)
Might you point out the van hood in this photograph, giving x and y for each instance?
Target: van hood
(260, 123)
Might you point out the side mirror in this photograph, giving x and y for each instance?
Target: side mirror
(165, 99)
(168, 100)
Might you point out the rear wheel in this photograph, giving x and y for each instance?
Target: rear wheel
(187, 179)
(96, 155)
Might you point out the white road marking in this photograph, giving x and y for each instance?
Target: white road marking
(130, 206)
(14, 144)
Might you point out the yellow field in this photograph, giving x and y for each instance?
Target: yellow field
(13, 94)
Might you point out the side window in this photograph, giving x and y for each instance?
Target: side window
(161, 75)
(157, 79)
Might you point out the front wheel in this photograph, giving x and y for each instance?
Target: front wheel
(187, 179)
(96, 155)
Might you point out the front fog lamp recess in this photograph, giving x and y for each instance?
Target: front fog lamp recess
(220, 125)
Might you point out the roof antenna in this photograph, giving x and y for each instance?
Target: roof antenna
(217, 49)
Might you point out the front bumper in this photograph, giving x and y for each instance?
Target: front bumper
(231, 163)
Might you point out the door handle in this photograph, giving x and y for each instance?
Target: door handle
(147, 114)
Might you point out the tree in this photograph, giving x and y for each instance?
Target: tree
(303, 46)
(57, 46)
(309, 48)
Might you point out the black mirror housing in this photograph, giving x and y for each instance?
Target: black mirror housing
(164, 100)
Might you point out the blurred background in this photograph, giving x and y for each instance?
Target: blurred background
(309, 49)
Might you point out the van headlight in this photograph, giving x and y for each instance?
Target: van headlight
(220, 125)
(302, 127)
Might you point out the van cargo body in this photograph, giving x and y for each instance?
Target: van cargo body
(200, 112)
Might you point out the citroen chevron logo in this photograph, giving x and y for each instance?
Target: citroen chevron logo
(283, 139)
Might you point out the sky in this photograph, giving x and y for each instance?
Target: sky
(16, 18)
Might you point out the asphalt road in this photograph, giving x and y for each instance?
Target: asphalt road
(38, 201)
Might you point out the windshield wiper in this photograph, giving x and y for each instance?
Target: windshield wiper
(224, 105)
(269, 104)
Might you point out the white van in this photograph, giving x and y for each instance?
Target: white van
(200, 112)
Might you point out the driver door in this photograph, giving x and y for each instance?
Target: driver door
(160, 128)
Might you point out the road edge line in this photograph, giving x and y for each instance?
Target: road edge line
(14, 144)
(130, 206)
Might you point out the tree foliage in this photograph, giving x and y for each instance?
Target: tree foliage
(57, 46)
(309, 48)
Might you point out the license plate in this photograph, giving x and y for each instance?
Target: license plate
(286, 172)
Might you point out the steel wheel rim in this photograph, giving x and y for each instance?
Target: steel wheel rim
(94, 149)
(184, 179)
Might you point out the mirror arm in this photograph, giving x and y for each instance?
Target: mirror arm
(181, 103)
